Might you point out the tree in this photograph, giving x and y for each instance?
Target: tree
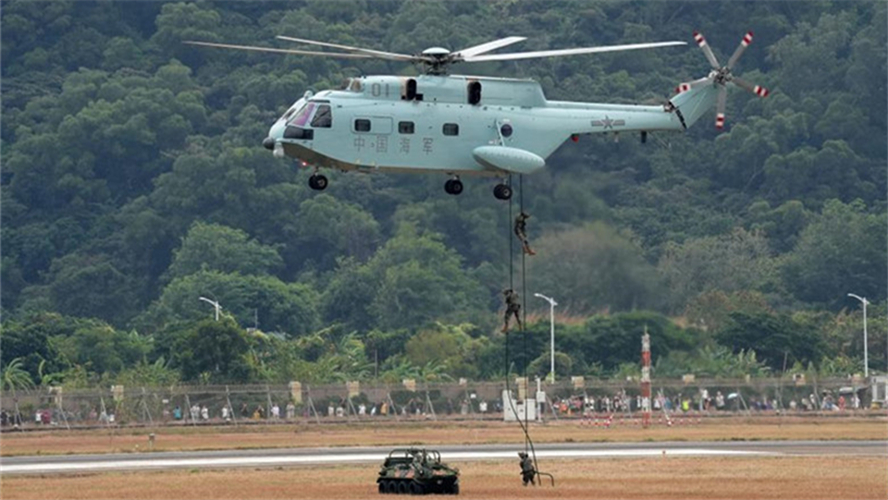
(773, 337)
(842, 250)
(15, 377)
(216, 348)
(219, 248)
(290, 308)
(731, 262)
(593, 268)
(417, 279)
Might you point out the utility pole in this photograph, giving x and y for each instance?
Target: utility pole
(552, 305)
(215, 305)
(865, 356)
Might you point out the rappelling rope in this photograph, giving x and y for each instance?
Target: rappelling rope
(528, 442)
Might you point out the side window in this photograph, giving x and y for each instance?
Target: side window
(410, 91)
(474, 91)
(362, 125)
(405, 127)
(323, 118)
(451, 129)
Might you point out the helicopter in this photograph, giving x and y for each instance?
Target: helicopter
(460, 125)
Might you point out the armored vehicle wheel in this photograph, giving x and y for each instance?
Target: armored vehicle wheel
(403, 488)
(381, 486)
(391, 486)
(502, 192)
(317, 182)
(416, 489)
(454, 490)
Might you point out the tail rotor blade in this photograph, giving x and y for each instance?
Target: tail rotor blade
(684, 87)
(747, 39)
(720, 108)
(707, 51)
(755, 89)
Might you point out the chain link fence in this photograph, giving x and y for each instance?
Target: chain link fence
(576, 398)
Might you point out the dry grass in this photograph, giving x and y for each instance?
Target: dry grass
(431, 434)
(649, 478)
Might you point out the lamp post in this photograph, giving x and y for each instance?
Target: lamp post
(865, 359)
(215, 304)
(552, 305)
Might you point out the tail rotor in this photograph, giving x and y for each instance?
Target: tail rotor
(722, 75)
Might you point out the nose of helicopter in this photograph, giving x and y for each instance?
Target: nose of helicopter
(274, 133)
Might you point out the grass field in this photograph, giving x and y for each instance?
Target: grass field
(57, 442)
(648, 478)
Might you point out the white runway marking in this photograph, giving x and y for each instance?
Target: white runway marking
(253, 461)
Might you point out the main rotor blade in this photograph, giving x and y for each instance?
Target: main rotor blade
(747, 39)
(755, 89)
(377, 53)
(279, 51)
(720, 107)
(570, 52)
(487, 47)
(707, 51)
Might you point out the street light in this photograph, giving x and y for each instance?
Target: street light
(865, 359)
(552, 305)
(215, 305)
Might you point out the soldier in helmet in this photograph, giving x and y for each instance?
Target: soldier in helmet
(527, 470)
(513, 307)
(520, 232)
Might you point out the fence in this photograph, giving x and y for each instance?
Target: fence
(251, 404)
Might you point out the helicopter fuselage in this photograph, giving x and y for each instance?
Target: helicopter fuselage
(457, 125)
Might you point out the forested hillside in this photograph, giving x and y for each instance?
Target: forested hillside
(134, 182)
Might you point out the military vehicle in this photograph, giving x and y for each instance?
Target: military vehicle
(457, 125)
(417, 471)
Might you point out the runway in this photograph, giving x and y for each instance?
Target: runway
(317, 456)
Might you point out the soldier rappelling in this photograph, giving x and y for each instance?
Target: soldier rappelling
(521, 232)
(513, 307)
(527, 470)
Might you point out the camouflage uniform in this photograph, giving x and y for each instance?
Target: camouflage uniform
(527, 470)
(513, 307)
(521, 232)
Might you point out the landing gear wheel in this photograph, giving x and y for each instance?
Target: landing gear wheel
(453, 186)
(502, 192)
(317, 182)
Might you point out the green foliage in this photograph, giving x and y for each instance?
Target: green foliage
(219, 248)
(593, 268)
(216, 348)
(730, 263)
(774, 337)
(711, 362)
(134, 182)
(840, 252)
(289, 308)
(15, 377)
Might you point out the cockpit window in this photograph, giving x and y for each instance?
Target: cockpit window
(303, 114)
(323, 118)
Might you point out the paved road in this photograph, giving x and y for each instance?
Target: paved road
(315, 456)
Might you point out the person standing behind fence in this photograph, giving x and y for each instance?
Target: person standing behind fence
(291, 411)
